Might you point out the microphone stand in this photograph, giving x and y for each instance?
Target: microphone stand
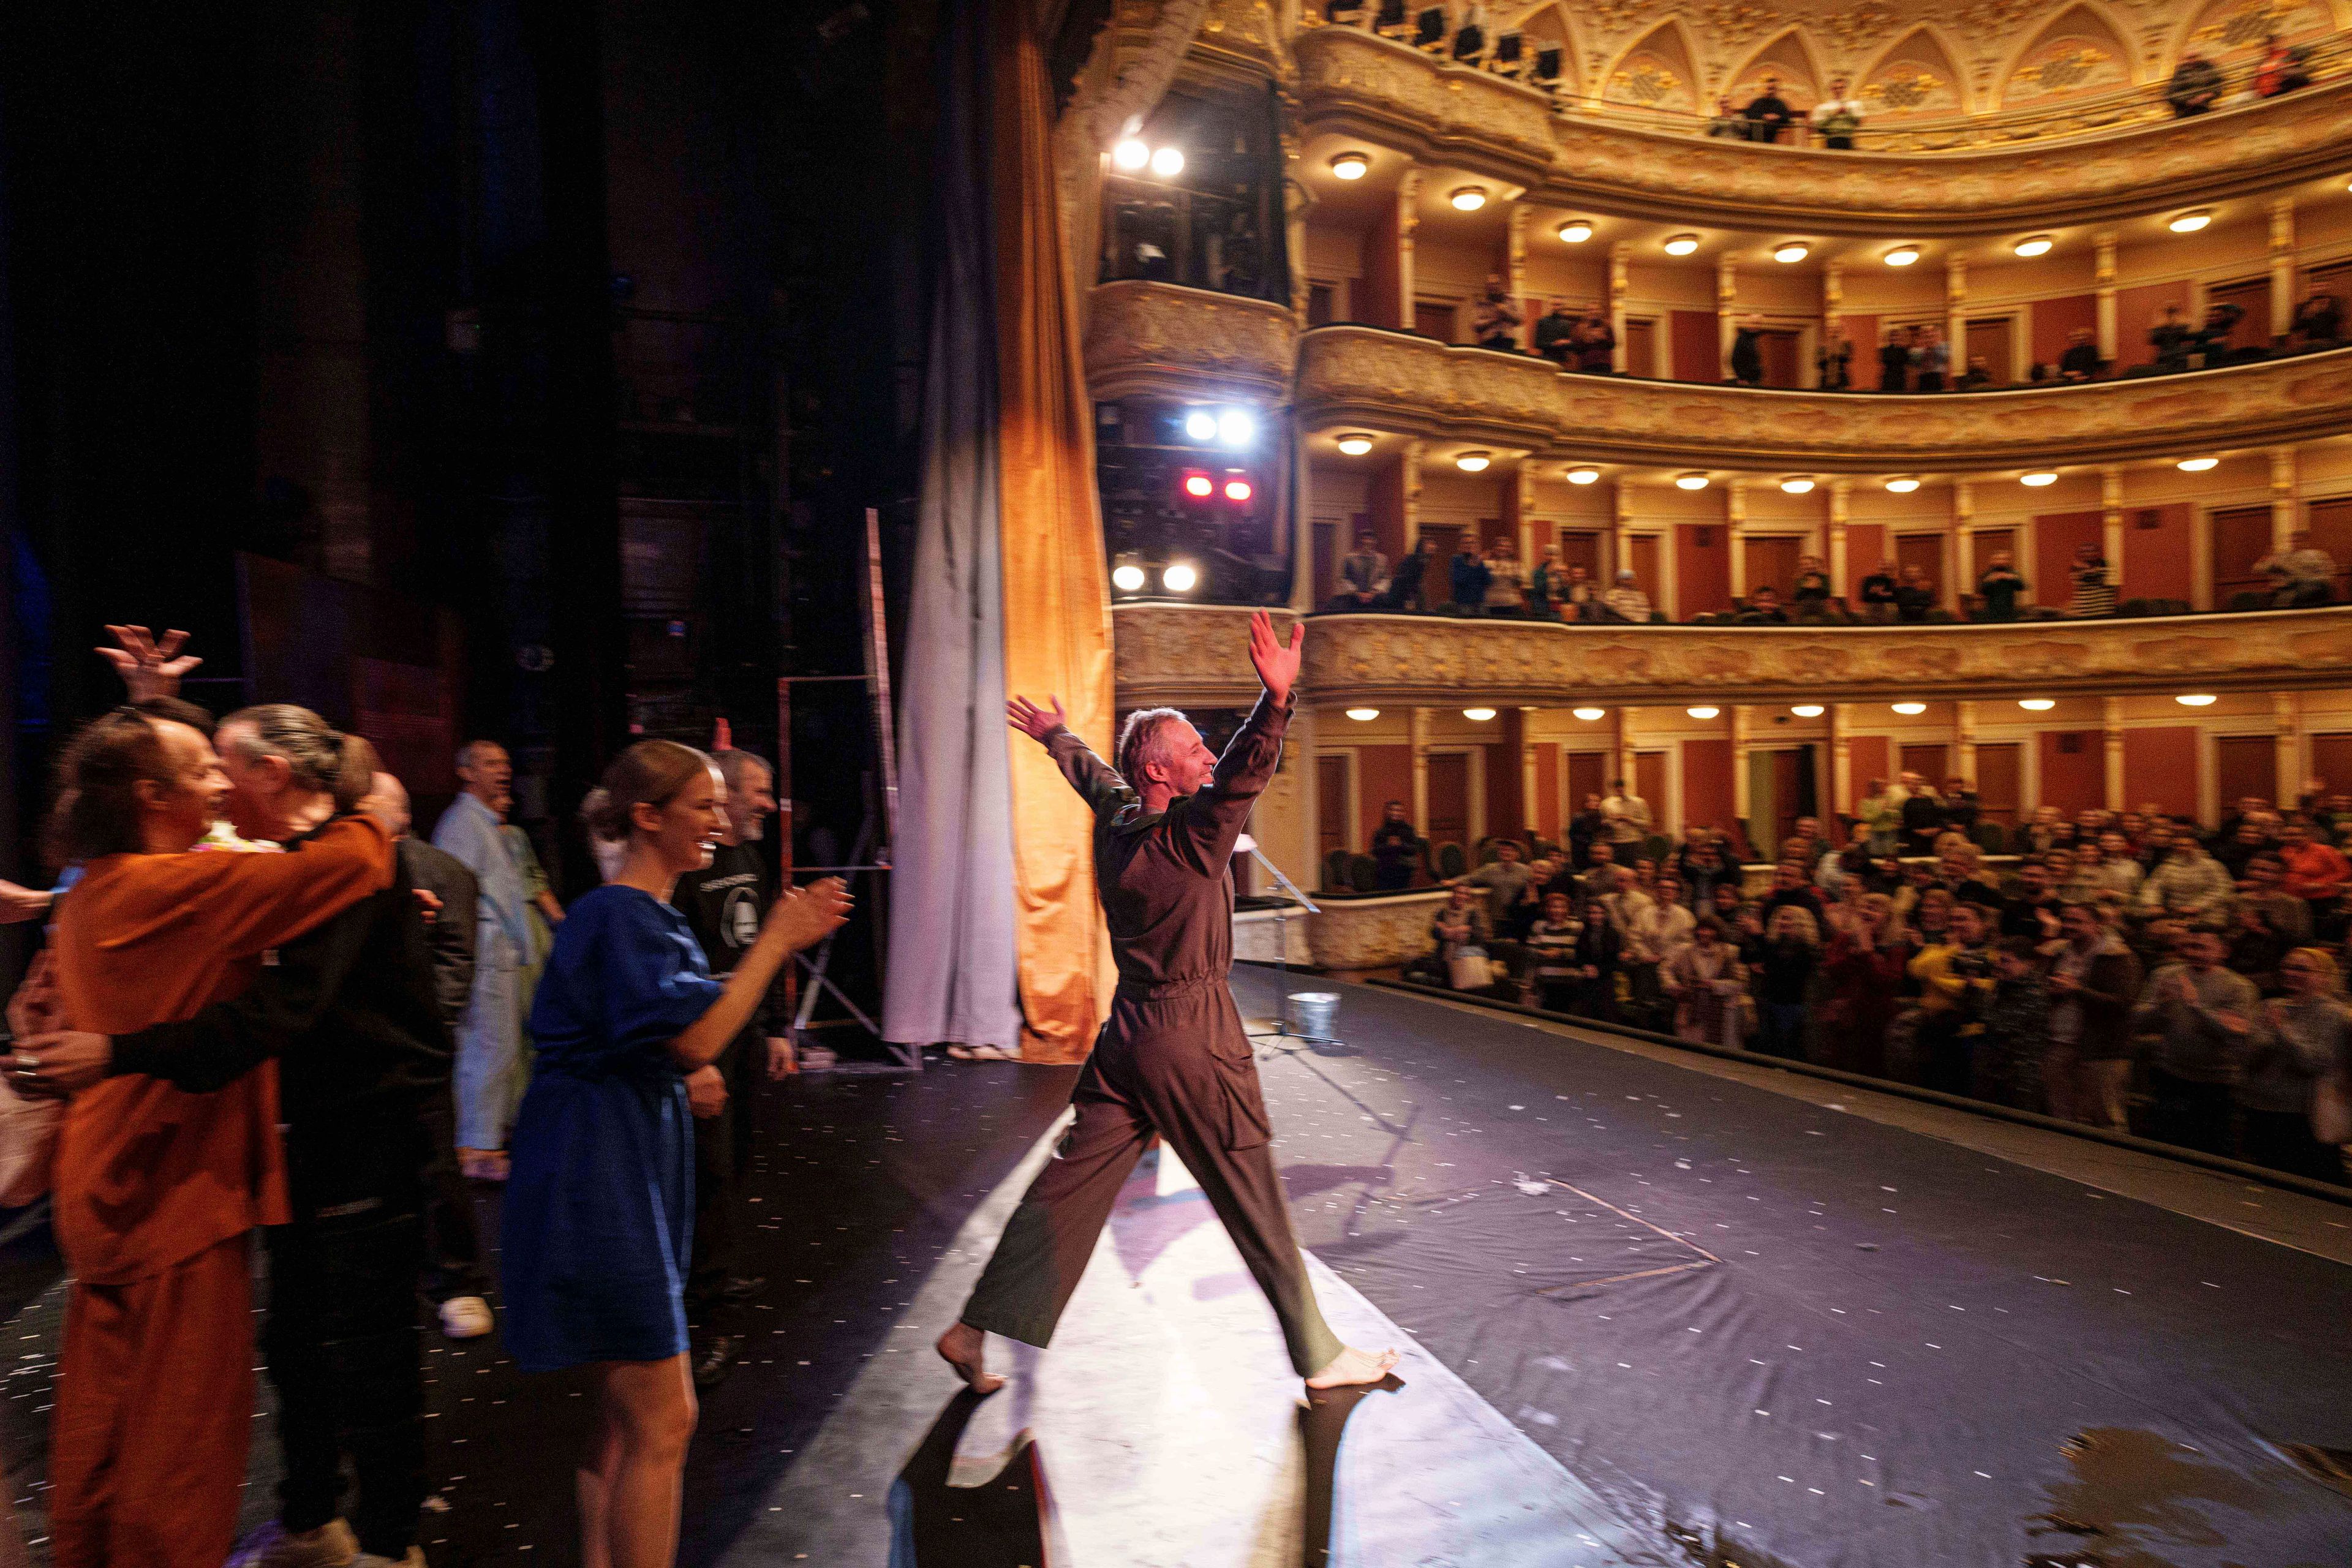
(1281, 945)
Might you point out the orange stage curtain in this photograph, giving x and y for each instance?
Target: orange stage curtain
(1056, 591)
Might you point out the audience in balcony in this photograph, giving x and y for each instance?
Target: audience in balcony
(2318, 323)
(1726, 121)
(1363, 573)
(1931, 359)
(1976, 377)
(1469, 575)
(1507, 594)
(1762, 609)
(2094, 584)
(1768, 112)
(1914, 595)
(2281, 69)
(1877, 594)
(1813, 600)
(2303, 574)
(1546, 586)
(2081, 361)
(1555, 335)
(1894, 359)
(1626, 602)
(1595, 344)
(1999, 586)
(1746, 352)
(1835, 365)
(1837, 117)
(1495, 321)
(2173, 339)
(1409, 584)
(1395, 849)
(2195, 85)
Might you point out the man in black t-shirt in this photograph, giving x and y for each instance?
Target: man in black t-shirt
(724, 903)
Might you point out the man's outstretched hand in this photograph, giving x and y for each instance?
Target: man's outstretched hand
(1276, 664)
(150, 666)
(1033, 720)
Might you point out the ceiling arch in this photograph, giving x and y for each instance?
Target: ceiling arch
(1788, 55)
(1659, 70)
(1919, 74)
(2080, 52)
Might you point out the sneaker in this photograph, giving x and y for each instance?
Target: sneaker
(465, 1317)
(716, 1358)
(331, 1545)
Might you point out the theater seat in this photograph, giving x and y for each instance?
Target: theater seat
(1450, 861)
(1335, 870)
(1363, 874)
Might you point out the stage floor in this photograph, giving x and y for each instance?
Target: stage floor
(1652, 1313)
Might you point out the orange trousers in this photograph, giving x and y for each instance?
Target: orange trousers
(154, 1408)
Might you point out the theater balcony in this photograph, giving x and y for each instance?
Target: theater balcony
(1355, 84)
(1165, 339)
(1403, 383)
(1197, 654)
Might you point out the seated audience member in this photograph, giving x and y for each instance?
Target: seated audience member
(1596, 344)
(1877, 593)
(2203, 1018)
(1837, 117)
(1782, 961)
(1395, 849)
(1705, 981)
(1747, 357)
(2301, 1040)
(1768, 112)
(1409, 584)
(2008, 1063)
(2308, 573)
(1894, 359)
(2094, 586)
(2195, 86)
(1727, 121)
(1506, 593)
(1469, 572)
(1812, 600)
(1460, 923)
(2318, 322)
(2093, 982)
(2081, 361)
(2315, 870)
(1914, 595)
(1555, 333)
(1495, 319)
(1626, 601)
(2173, 339)
(1363, 573)
(2000, 586)
(2187, 883)
(1762, 609)
(1835, 365)
(1976, 377)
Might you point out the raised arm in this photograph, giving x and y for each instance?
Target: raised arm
(1096, 782)
(1211, 820)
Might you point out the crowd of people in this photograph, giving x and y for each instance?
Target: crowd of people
(264, 1007)
(2197, 86)
(1490, 581)
(2126, 970)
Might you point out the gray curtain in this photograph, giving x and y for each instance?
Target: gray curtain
(954, 957)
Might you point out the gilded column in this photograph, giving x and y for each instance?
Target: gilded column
(1743, 799)
(1297, 199)
(1734, 523)
(1408, 219)
(1956, 315)
(1302, 532)
(1964, 742)
(1964, 511)
(2111, 724)
(1408, 470)
(2284, 521)
(1832, 309)
(1619, 253)
(1726, 309)
(1523, 507)
(1840, 762)
(1417, 735)
(1619, 557)
(2282, 263)
(2111, 529)
(2286, 716)
(2104, 250)
(1515, 261)
(1841, 509)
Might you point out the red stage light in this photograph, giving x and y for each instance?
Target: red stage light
(1237, 489)
(1199, 486)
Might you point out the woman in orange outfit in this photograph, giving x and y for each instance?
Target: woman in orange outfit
(156, 1191)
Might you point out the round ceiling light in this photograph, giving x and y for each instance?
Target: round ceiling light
(1351, 166)
(2036, 704)
(1796, 485)
(2196, 700)
(1589, 714)
(1477, 715)
(2038, 479)
(1582, 476)
(1791, 251)
(1168, 163)
(1690, 481)
(2197, 465)
(2038, 245)
(1130, 155)
(1807, 709)
(1468, 199)
(1910, 709)
(1902, 256)
(1355, 444)
(2189, 222)
(1363, 715)
(1179, 578)
(1703, 713)
(1576, 230)
(1473, 462)
(1903, 485)
(1682, 245)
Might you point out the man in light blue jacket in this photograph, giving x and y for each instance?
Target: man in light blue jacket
(490, 1068)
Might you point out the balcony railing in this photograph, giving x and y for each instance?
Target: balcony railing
(1444, 113)
(1414, 385)
(1198, 654)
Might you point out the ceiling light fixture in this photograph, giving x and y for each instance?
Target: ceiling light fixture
(2189, 222)
(1351, 166)
(1589, 714)
(1355, 445)
(1477, 715)
(1703, 713)
(1690, 481)
(1582, 476)
(1796, 485)
(1363, 715)
(1903, 485)
(2036, 704)
(1473, 462)
(1576, 230)
(2196, 700)
(1130, 155)
(1682, 245)
(1902, 256)
(1467, 199)
(1807, 709)
(1910, 710)
(2197, 465)
(1168, 163)
(2037, 479)
(1791, 251)
(2037, 244)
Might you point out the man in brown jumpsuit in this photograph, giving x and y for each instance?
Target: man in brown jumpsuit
(1173, 1058)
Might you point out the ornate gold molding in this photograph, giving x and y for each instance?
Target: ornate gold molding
(1349, 79)
(1373, 934)
(1199, 655)
(1163, 337)
(1414, 385)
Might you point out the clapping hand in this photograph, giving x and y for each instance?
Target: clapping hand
(808, 915)
(1035, 721)
(1276, 663)
(150, 666)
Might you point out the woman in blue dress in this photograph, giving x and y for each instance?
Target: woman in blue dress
(600, 1205)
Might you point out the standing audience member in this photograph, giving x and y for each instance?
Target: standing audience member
(1507, 595)
(1768, 112)
(1626, 601)
(1469, 573)
(1861, 969)
(2093, 982)
(1931, 359)
(1915, 597)
(1555, 333)
(2007, 1065)
(2304, 1039)
(1495, 318)
(1894, 360)
(2309, 572)
(1878, 594)
(1596, 344)
(1746, 351)
(2318, 322)
(1706, 981)
(1395, 849)
(1504, 882)
(1626, 815)
(2094, 584)
(599, 1214)
(2202, 1018)
(1838, 117)
(2081, 360)
(491, 1070)
(1783, 962)
(1363, 571)
(1409, 584)
(2000, 586)
(2195, 86)
(2173, 339)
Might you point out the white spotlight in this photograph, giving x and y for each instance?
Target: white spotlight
(1682, 245)
(1354, 445)
(2197, 465)
(2038, 479)
(1130, 155)
(1236, 427)
(1168, 163)
(1690, 481)
(1127, 578)
(1794, 250)
(1179, 578)
(1468, 199)
(1703, 713)
(1796, 485)
(2039, 245)
(1201, 425)
(1902, 256)
(1473, 462)
(1351, 166)
(1576, 231)
(2191, 222)
(1903, 485)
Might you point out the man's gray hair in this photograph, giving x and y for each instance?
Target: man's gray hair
(1144, 739)
(732, 763)
(466, 753)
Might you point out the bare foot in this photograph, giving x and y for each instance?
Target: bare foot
(965, 1349)
(1350, 1368)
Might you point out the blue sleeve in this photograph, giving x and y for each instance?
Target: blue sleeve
(657, 981)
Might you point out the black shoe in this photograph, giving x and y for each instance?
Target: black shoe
(739, 1289)
(716, 1360)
